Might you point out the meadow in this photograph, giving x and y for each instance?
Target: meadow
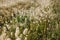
(30, 21)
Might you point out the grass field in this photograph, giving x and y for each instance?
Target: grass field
(31, 21)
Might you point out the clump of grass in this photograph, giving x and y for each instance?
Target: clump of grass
(42, 25)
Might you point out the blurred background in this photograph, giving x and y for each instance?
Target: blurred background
(29, 19)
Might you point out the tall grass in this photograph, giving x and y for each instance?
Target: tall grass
(33, 23)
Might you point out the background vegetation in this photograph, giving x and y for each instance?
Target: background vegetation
(31, 21)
